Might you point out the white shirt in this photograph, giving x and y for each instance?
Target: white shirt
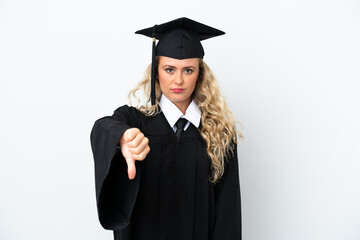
(172, 113)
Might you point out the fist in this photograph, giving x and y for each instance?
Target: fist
(134, 147)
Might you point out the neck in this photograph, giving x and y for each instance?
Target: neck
(183, 106)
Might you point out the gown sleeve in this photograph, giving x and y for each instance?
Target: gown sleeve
(115, 193)
(228, 203)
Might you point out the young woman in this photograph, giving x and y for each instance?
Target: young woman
(168, 169)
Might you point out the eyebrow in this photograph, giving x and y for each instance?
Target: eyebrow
(170, 66)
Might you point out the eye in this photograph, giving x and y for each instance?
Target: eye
(169, 70)
(189, 71)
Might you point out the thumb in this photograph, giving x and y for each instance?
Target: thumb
(131, 167)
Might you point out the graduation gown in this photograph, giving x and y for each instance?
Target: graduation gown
(171, 197)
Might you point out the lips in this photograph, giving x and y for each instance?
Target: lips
(177, 90)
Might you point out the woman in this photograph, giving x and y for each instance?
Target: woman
(168, 169)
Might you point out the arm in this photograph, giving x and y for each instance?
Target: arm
(228, 203)
(115, 193)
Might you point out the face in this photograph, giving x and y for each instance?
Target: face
(177, 79)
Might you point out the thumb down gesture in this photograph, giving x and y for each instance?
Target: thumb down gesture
(134, 147)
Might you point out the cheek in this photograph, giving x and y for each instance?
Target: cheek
(162, 81)
(192, 82)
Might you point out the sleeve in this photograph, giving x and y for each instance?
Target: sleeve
(115, 193)
(228, 203)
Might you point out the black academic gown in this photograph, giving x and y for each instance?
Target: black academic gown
(171, 197)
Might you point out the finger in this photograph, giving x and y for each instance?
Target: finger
(137, 140)
(131, 133)
(139, 149)
(142, 155)
(131, 168)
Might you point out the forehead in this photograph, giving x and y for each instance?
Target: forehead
(179, 62)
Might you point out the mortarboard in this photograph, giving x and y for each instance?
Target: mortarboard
(179, 39)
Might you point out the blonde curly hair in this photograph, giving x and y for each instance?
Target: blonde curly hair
(217, 122)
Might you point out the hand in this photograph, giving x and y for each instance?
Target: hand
(134, 146)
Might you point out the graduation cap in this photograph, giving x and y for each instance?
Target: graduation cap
(179, 39)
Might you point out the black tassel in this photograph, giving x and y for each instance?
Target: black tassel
(153, 70)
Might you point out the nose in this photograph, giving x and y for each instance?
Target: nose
(179, 78)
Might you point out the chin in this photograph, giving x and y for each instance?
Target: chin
(178, 99)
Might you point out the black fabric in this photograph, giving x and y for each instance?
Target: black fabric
(180, 124)
(171, 197)
(180, 44)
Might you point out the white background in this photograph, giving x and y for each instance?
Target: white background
(288, 69)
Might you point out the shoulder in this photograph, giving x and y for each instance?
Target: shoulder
(133, 116)
(123, 114)
(125, 109)
(128, 112)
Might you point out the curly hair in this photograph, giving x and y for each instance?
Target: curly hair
(218, 127)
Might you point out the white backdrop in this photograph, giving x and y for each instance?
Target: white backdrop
(289, 70)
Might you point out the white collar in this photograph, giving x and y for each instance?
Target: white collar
(172, 113)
